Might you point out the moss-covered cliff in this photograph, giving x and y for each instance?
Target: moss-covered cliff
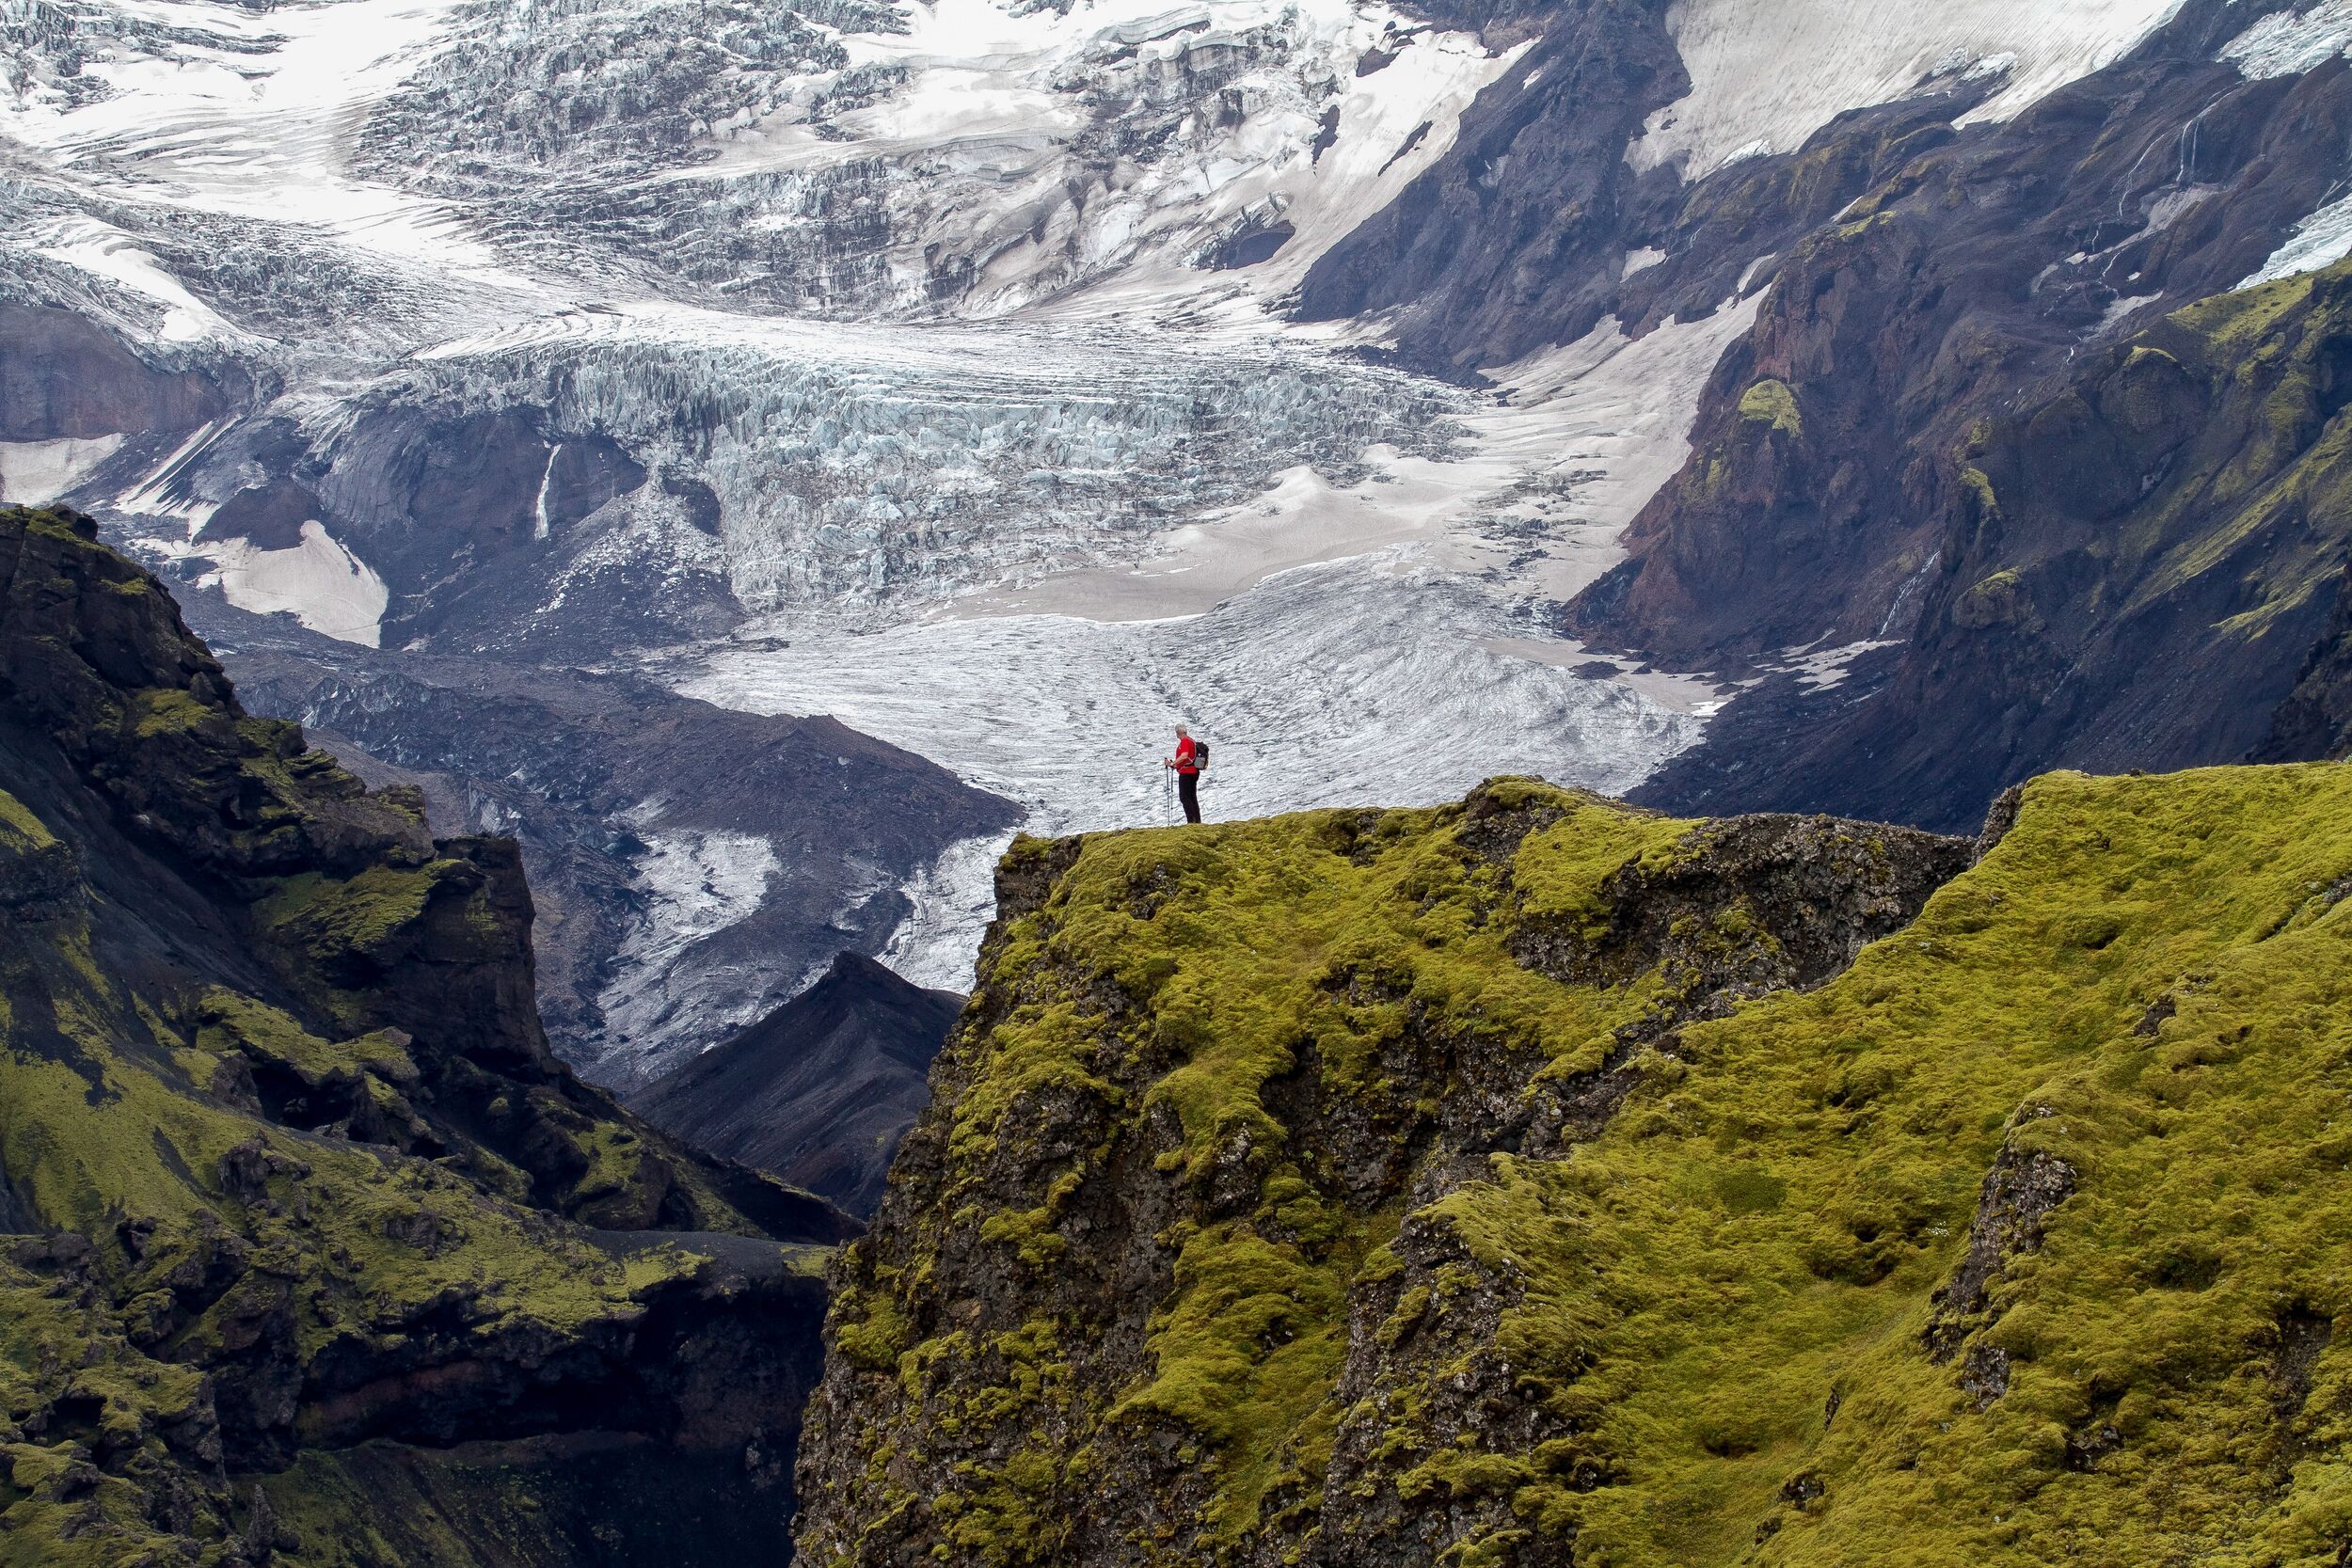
(1536, 1182)
(313, 1253)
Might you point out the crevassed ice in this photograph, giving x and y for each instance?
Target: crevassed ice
(696, 885)
(1361, 682)
(2287, 44)
(871, 466)
(2319, 240)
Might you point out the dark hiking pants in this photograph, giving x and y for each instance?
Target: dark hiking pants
(1188, 791)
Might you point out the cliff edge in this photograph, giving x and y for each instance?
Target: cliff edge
(1538, 1181)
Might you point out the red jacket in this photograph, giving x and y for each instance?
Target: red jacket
(1184, 753)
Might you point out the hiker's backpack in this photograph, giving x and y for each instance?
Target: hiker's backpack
(1200, 757)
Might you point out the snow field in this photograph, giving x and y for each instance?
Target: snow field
(1764, 77)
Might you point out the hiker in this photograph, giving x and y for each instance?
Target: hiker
(1190, 759)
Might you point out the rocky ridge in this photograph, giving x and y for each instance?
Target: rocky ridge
(1539, 1181)
(820, 1090)
(317, 1255)
(1943, 299)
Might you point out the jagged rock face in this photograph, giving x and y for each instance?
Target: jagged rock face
(63, 376)
(2315, 721)
(1966, 275)
(294, 1170)
(678, 903)
(1486, 264)
(820, 1090)
(2140, 571)
(1813, 1190)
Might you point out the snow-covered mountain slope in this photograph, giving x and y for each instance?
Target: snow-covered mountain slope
(946, 365)
(1765, 78)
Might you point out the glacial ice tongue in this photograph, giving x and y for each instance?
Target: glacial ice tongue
(856, 466)
(1371, 681)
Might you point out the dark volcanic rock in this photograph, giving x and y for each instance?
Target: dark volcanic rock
(1966, 276)
(62, 374)
(1481, 267)
(820, 1091)
(2144, 569)
(2315, 721)
(309, 1177)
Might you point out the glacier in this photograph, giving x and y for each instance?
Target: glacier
(923, 364)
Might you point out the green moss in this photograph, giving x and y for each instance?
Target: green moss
(615, 1155)
(1715, 1312)
(67, 1369)
(21, 831)
(1771, 402)
(1327, 938)
(1729, 1323)
(1560, 873)
(870, 1328)
(228, 1021)
(264, 1220)
(167, 710)
(363, 915)
(1980, 488)
(2000, 599)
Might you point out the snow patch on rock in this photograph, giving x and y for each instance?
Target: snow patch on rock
(1764, 77)
(319, 582)
(34, 474)
(695, 884)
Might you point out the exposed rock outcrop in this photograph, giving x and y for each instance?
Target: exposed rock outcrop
(820, 1090)
(2143, 569)
(63, 376)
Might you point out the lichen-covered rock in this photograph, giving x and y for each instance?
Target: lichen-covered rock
(1541, 1182)
(299, 1172)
